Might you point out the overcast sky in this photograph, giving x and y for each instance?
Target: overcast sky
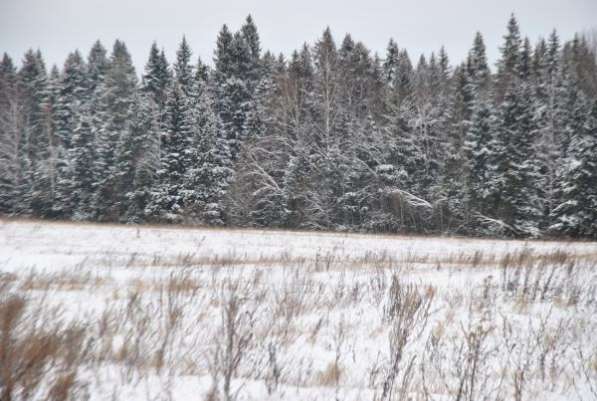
(60, 26)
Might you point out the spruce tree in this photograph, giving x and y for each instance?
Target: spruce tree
(478, 159)
(183, 69)
(97, 65)
(138, 159)
(176, 155)
(479, 75)
(548, 119)
(207, 179)
(117, 98)
(390, 65)
(233, 82)
(34, 136)
(11, 151)
(325, 89)
(509, 62)
(72, 97)
(82, 155)
(156, 79)
(296, 186)
(577, 214)
(515, 175)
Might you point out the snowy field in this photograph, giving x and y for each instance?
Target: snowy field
(130, 313)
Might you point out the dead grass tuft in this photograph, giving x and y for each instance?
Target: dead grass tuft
(330, 376)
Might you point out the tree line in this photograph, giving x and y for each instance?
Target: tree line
(328, 137)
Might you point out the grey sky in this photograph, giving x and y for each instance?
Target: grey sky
(60, 26)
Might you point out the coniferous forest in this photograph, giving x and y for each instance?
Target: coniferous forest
(329, 137)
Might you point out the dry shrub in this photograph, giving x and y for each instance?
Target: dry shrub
(39, 355)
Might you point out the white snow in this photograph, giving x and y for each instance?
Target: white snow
(318, 300)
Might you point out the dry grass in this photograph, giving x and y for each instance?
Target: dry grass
(63, 281)
(330, 376)
(40, 356)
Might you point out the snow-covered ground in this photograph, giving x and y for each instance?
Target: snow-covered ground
(172, 313)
